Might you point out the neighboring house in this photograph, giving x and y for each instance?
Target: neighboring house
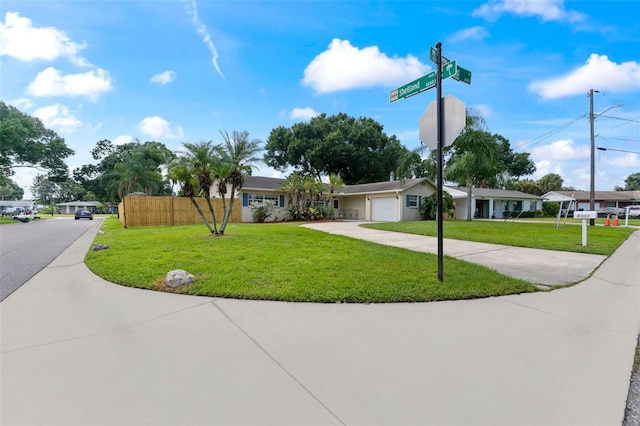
(567, 204)
(489, 203)
(71, 206)
(12, 205)
(602, 199)
(390, 201)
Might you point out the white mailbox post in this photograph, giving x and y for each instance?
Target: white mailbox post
(584, 216)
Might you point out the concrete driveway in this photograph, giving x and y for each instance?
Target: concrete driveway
(537, 266)
(77, 350)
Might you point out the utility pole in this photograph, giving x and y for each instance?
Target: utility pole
(592, 194)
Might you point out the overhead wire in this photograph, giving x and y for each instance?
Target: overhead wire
(550, 133)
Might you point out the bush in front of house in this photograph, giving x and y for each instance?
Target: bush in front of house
(429, 206)
(550, 208)
(261, 210)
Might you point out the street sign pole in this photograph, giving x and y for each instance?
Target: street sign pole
(440, 121)
(434, 78)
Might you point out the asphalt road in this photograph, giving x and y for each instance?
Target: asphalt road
(27, 248)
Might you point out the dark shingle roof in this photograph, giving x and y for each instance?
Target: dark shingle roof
(392, 185)
(500, 193)
(602, 195)
(261, 182)
(269, 183)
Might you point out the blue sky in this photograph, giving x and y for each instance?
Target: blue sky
(184, 70)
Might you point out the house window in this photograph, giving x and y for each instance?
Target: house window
(413, 201)
(258, 198)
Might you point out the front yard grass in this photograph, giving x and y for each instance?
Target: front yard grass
(600, 239)
(289, 263)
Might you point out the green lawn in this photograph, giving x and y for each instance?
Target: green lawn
(600, 239)
(287, 262)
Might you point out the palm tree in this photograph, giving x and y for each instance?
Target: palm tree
(292, 186)
(237, 155)
(474, 161)
(202, 159)
(335, 182)
(180, 171)
(136, 172)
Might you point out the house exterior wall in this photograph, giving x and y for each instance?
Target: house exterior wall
(410, 212)
(461, 207)
(353, 207)
(279, 213)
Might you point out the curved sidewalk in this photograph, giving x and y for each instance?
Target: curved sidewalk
(77, 350)
(545, 267)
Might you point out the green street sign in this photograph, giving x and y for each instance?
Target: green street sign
(463, 75)
(433, 55)
(449, 70)
(425, 82)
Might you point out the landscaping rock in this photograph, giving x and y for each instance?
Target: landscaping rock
(179, 277)
(98, 247)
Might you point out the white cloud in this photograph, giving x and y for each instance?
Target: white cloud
(344, 67)
(473, 33)
(598, 73)
(164, 77)
(621, 160)
(302, 113)
(21, 103)
(565, 149)
(547, 10)
(545, 167)
(58, 117)
(121, 140)
(192, 9)
(90, 84)
(483, 109)
(158, 127)
(21, 40)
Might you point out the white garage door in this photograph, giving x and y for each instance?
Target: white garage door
(384, 209)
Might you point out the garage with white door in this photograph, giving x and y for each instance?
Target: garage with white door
(384, 209)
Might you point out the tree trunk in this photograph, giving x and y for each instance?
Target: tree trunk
(227, 213)
(213, 215)
(204, 219)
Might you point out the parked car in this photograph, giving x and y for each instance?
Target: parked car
(611, 211)
(634, 211)
(83, 214)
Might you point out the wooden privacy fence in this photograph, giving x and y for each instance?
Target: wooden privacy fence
(156, 211)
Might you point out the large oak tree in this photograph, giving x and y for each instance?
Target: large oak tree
(26, 142)
(356, 149)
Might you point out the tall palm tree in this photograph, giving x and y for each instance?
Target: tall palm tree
(203, 158)
(180, 171)
(136, 172)
(475, 160)
(335, 182)
(237, 155)
(291, 186)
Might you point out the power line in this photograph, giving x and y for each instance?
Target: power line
(618, 139)
(626, 122)
(550, 133)
(629, 120)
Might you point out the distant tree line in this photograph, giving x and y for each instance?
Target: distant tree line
(339, 148)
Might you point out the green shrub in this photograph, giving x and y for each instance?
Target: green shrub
(550, 208)
(261, 210)
(429, 206)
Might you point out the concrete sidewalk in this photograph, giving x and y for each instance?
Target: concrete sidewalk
(533, 265)
(77, 350)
